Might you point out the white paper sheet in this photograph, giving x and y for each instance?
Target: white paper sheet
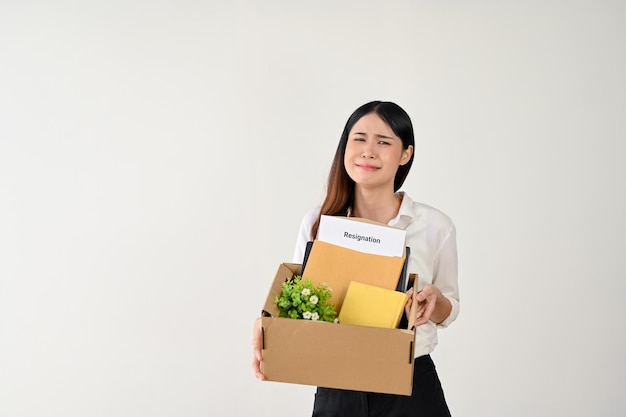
(362, 236)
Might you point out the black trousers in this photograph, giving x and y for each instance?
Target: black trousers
(427, 399)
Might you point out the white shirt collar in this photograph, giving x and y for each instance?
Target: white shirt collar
(406, 215)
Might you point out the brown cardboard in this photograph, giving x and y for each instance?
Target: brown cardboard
(338, 266)
(334, 355)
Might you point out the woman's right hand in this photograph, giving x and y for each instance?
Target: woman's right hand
(257, 349)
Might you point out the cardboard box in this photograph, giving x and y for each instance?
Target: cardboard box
(334, 355)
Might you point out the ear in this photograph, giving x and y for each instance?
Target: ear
(406, 155)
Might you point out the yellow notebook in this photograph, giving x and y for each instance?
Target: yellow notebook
(368, 305)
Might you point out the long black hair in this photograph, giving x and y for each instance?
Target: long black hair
(340, 188)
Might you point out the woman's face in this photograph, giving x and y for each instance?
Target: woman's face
(374, 153)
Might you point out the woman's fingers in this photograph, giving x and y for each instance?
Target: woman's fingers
(257, 349)
(426, 300)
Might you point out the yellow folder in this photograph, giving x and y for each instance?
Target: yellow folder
(368, 305)
(338, 266)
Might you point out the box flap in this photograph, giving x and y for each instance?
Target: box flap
(285, 272)
(413, 313)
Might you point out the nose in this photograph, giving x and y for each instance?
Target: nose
(367, 152)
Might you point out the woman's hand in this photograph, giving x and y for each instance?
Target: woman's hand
(431, 305)
(257, 349)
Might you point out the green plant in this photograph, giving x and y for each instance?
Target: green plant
(300, 299)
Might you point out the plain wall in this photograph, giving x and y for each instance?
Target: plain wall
(156, 158)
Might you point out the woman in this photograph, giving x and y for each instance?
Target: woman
(373, 158)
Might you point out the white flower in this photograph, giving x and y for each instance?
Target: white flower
(306, 291)
(307, 315)
(336, 321)
(314, 299)
(314, 316)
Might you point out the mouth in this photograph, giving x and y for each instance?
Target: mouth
(367, 167)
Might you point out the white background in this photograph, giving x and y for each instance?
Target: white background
(156, 158)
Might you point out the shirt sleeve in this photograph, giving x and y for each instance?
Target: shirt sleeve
(446, 275)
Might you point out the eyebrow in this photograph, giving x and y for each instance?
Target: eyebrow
(375, 134)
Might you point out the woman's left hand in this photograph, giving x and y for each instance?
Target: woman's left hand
(427, 304)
